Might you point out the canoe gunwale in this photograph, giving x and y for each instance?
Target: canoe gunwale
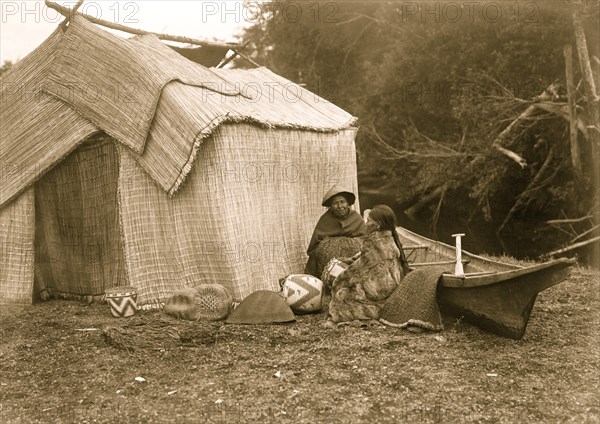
(424, 242)
(449, 280)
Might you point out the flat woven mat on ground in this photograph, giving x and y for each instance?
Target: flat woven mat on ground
(414, 301)
(158, 331)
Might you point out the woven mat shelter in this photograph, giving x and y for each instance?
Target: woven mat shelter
(78, 239)
(123, 163)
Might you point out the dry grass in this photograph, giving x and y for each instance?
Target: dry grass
(50, 371)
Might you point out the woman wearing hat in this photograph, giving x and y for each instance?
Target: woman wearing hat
(338, 221)
(358, 294)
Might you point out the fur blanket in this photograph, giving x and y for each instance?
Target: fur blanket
(362, 289)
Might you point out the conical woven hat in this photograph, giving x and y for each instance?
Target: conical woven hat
(204, 302)
(261, 307)
(338, 189)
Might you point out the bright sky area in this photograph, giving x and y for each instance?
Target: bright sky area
(26, 24)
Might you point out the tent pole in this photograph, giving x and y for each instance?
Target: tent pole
(69, 13)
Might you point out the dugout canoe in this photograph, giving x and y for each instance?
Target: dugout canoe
(492, 295)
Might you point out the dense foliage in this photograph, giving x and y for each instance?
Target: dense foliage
(5, 66)
(433, 85)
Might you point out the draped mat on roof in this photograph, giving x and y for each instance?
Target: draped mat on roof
(124, 163)
(142, 93)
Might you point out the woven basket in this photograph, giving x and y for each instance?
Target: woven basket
(334, 268)
(122, 301)
(206, 302)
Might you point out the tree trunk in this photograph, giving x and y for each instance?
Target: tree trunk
(575, 159)
(593, 101)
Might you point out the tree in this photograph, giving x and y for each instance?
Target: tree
(470, 116)
(5, 66)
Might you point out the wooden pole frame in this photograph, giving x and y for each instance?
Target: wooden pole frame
(69, 13)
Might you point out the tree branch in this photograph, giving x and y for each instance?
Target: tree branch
(424, 201)
(573, 246)
(438, 210)
(512, 155)
(526, 194)
(569, 221)
(548, 93)
(423, 153)
(585, 233)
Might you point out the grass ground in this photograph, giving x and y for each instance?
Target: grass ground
(52, 371)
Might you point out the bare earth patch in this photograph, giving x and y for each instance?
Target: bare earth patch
(56, 366)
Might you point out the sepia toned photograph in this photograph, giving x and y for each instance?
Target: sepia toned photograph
(296, 211)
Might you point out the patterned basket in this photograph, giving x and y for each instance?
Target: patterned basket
(334, 268)
(304, 293)
(206, 302)
(122, 301)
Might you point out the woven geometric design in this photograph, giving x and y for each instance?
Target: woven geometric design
(304, 293)
(122, 301)
(206, 302)
(334, 268)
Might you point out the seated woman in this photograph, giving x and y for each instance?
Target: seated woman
(358, 294)
(338, 221)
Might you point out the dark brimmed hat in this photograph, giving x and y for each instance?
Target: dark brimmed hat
(261, 307)
(334, 191)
